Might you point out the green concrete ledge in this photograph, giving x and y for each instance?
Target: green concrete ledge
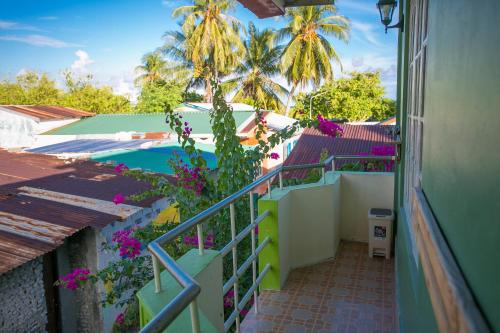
(151, 303)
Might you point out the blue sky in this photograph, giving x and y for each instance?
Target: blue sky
(108, 38)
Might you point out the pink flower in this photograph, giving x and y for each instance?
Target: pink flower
(329, 128)
(119, 168)
(120, 319)
(118, 198)
(274, 156)
(120, 235)
(130, 248)
(244, 312)
(74, 279)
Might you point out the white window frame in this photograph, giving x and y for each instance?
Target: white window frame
(417, 58)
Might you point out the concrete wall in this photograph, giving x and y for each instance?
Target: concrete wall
(306, 222)
(23, 307)
(21, 131)
(361, 191)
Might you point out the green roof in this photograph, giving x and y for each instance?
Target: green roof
(141, 123)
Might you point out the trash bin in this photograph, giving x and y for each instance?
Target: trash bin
(380, 232)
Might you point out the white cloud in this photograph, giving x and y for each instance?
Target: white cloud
(80, 65)
(38, 40)
(11, 25)
(367, 30)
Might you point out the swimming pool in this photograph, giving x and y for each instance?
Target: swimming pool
(154, 159)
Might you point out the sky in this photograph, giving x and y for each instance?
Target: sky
(108, 38)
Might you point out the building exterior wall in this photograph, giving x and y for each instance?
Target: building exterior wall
(21, 131)
(460, 157)
(23, 307)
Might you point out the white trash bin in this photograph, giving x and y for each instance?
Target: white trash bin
(380, 232)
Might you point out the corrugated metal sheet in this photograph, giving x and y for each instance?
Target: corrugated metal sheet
(43, 200)
(357, 139)
(88, 146)
(142, 123)
(46, 113)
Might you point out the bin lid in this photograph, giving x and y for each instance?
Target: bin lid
(383, 213)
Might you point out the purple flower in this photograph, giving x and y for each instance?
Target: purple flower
(119, 168)
(74, 279)
(130, 248)
(329, 128)
(118, 198)
(120, 319)
(274, 156)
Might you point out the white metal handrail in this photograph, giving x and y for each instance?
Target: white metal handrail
(187, 297)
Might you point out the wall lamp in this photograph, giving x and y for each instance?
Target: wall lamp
(386, 9)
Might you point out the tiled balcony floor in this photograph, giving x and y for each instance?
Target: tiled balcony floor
(352, 293)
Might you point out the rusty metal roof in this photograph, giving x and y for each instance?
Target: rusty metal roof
(47, 112)
(43, 200)
(357, 139)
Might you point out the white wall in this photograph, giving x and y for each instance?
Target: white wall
(361, 191)
(18, 131)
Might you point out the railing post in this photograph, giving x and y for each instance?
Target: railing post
(280, 174)
(232, 214)
(156, 273)
(323, 174)
(195, 319)
(333, 164)
(201, 244)
(269, 188)
(254, 262)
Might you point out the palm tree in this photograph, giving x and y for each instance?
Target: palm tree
(254, 76)
(181, 69)
(307, 56)
(153, 69)
(212, 40)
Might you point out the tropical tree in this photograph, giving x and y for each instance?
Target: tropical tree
(254, 77)
(153, 69)
(307, 56)
(212, 39)
(357, 97)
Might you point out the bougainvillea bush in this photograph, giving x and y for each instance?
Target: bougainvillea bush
(373, 166)
(196, 188)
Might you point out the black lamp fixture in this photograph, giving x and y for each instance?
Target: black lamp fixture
(386, 9)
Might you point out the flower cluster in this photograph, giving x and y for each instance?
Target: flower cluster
(120, 319)
(129, 246)
(229, 299)
(383, 150)
(329, 128)
(190, 178)
(274, 156)
(74, 279)
(187, 130)
(119, 168)
(118, 198)
(193, 240)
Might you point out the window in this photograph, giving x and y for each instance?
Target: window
(417, 49)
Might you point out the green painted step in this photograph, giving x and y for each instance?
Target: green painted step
(150, 303)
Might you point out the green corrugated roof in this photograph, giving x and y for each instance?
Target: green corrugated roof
(153, 122)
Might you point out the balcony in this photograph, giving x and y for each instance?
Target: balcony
(309, 263)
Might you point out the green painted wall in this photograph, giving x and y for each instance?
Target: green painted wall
(460, 156)
(461, 153)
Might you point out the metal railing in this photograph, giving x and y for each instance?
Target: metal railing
(191, 289)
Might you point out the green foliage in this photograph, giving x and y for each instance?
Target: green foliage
(212, 41)
(152, 70)
(308, 54)
(157, 96)
(30, 88)
(359, 97)
(84, 95)
(254, 76)
(38, 89)
(192, 96)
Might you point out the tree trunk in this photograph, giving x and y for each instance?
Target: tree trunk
(290, 97)
(207, 98)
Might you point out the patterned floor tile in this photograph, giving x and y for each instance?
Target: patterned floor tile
(352, 293)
